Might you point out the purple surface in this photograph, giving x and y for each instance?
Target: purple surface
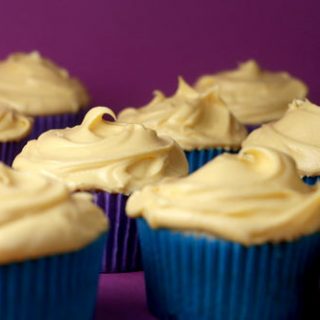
(122, 297)
(123, 50)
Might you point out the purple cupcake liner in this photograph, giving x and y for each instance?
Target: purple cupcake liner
(199, 277)
(252, 127)
(311, 180)
(9, 150)
(122, 251)
(198, 158)
(59, 121)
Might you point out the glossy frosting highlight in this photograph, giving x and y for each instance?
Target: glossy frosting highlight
(194, 120)
(252, 198)
(13, 126)
(254, 95)
(39, 217)
(296, 133)
(36, 86)
(104, 155)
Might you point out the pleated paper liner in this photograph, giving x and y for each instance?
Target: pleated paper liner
(58, 287)
(122, 252)
(9, 150)
(198, 277)
(311, 180)
(60, 121)
(198, 158)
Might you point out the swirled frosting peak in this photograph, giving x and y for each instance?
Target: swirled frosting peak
(252, 198)
(253, 95)
(39, 217)
(194, 120)
(36, 86)
(104, 155)
(13, 126)
(296, 134)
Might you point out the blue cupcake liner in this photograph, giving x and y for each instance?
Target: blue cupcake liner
(198, 277)
(57, 287)
(9, 150)
(59, 121)
(198, 158)
(122, 252)
(311, 180)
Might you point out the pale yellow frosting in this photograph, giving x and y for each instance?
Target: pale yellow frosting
(13, 126)
(36, 86)
(296, 133)
(99, 154)
(253, 95)
(251, 198)
(39, 217)
(195, 121)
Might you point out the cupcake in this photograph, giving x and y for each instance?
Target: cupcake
(37, 87)
(253, 95)
(296, 134)
(14, 130)
(237, 239)
(110, 160)
(51, 244)
(200, 123)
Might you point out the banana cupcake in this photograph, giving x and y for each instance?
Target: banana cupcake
(51, 243)
(14, 131)
(296, 134)
(111, 160)
(37, 87)
(237, 239)
(200, 123)
(254, 96)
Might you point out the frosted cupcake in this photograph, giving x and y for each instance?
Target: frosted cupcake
(37, 87)
(111, 160)
(237, 239)
(255, 96)
(51, 245)
(14, 130)
(200, 123)
(296, 134)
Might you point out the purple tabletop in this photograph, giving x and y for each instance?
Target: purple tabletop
(122, 296)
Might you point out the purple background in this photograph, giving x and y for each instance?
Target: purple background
(123, 50)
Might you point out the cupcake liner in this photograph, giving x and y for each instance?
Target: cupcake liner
(311, 180)
(122, 252)
(59, 121)
(198, 277)
(52, 288)
(198, 158)
(9, 150)
(252, 127)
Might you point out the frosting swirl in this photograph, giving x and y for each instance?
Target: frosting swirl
(102, 155)
(252, 198)
(253, 95)
(296, 134)
(36, 86)
(194, 120)
(13, 126)
(54, 222)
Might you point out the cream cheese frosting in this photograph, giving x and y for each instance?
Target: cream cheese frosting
(296, 134)
(103, 155)
(36, 86)
(251, 198)
(39, 217)
(194, 120)
(13, 126)
(254, 95)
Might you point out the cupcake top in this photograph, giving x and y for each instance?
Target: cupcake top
(252, 198)
(194, 120)
(253, 95)
(36, 86)
(39, 217)
(13, 126)
(295, 134)
(103, 155)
